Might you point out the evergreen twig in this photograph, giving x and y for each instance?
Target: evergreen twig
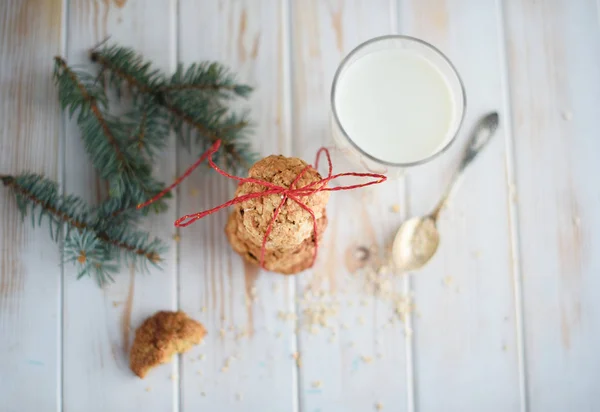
(90, 241)
(194, 99)
(107, 139)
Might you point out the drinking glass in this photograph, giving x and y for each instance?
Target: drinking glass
(345, 142)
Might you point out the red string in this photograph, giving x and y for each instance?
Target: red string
(286, 193)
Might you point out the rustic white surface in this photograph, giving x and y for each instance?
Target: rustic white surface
(507, 314)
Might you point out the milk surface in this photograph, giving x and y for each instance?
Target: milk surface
(395, 105)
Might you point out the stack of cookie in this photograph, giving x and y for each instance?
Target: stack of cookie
(290, 246)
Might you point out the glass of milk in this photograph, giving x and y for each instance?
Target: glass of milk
(397, 102)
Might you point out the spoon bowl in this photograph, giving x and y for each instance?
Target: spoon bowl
(415, 243)
(418, 238)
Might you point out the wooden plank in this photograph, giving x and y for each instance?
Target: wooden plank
(30, 273)
(465, 325)
(358, 360)
(553, 56)
(248, 363)
(100, 323)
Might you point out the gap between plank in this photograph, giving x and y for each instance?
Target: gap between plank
(64, 33)
(174, 37)
(512, 210)
(288, 99)
(409, 332)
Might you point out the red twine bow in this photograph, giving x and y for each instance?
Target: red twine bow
(286, 193)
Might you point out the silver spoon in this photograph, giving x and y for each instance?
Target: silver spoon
(418, 238)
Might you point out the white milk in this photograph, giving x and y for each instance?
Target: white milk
(395, 105)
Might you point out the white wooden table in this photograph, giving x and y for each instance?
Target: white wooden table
(507, 315)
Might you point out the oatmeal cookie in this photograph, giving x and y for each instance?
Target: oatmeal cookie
(160, 336)
(284, 261)
(293, 224)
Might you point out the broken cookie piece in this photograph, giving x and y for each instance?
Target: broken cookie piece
(160, 336)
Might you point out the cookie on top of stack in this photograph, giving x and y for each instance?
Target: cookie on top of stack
(290, 246)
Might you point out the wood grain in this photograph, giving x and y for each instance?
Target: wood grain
(30, 272)
(553, 56)
(248, 363)
(100, 323)
(357, 359)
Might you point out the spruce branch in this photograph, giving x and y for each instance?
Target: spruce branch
(194, 98)
(90, 241)
(107, 139)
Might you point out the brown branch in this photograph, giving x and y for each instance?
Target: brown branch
(160, 97)
(10, 181)
(132, 81)
(177, 87)
(140, 137)
(94, 107)
(97, 57)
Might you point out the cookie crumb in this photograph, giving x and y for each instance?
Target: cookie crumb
(366, 359)
(379, 406)
(298, 358)
(396, 208)
(512, 190)
(567, 115)
(317, 384)
(176, 238)
(476, 254)
(148, 389)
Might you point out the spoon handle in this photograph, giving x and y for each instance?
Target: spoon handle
(480, 137)
(482, 133)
